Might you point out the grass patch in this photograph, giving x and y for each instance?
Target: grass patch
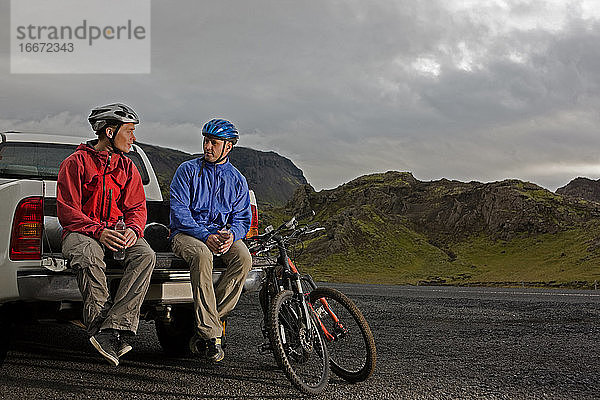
(398, 256)
(561, 258)
(402, 256)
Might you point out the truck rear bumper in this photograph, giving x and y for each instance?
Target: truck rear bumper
(166, 287)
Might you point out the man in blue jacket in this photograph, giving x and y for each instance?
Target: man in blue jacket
(210, 214)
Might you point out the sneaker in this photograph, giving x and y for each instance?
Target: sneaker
(123, 346)
(106, 342)
(197, 346)
(78, 323)
(224, 338)
(214, 351)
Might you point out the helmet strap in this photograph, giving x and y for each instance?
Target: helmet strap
(112, 139)
(202, 167)
(221, 156)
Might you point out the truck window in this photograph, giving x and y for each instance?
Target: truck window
(137, 160)
(42, 160)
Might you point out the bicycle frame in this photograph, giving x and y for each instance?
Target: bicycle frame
(290, 279)
(311, 312)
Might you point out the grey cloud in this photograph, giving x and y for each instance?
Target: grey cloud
(332, 86)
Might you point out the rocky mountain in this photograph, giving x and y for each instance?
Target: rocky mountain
(392, 227)
(583, 188)
(272, 177)
(450, 210)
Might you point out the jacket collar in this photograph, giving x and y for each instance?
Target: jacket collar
(212, 165)
(89, 147)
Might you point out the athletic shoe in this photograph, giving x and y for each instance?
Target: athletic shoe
(124, 347)
(214, 352)
(223, 337)
(78, 323)
(106, 342)
(197, 346)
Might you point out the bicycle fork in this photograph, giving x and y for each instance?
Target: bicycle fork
(300, 292)
(339, 329)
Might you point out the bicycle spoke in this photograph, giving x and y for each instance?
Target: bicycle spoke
(300, 351)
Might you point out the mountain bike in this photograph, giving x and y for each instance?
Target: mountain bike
(310, 329)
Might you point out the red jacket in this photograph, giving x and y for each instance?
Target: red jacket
(94, 188)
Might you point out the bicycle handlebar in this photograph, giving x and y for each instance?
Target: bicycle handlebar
(271, 238)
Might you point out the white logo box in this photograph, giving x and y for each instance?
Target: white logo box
(80, 36)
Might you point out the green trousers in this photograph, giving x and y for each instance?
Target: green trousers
(86, 257)
(213, 303)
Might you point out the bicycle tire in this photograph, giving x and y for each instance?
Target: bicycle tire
(301, 354)
(351, 362)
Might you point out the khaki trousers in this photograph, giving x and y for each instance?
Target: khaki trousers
(86, 257)
(211, 304)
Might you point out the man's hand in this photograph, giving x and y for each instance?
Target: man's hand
(115, 240)
(226, 238)
(221, 242)
(130, 237)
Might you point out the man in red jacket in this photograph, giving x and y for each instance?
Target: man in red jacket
(97, 185)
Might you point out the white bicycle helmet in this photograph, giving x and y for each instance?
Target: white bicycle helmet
(118, 113)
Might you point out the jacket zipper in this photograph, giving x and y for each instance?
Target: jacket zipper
(110, 191)
(212, 194)
(104, 188)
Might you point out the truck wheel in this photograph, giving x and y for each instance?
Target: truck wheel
(174, 335)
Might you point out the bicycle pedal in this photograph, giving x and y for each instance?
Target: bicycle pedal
(264, 348)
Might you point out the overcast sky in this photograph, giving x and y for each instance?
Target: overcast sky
(467, 90)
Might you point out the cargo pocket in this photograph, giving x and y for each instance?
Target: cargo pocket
(82, 251)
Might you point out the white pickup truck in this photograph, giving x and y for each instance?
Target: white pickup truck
(37, 280)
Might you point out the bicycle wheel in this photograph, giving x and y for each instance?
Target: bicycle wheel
(349, 339)
(300, 352)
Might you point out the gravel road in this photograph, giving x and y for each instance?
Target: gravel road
(432, 343)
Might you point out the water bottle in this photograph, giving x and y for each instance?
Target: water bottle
(119, 255)
(225, 228)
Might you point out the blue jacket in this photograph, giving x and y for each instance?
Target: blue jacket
(206, 198)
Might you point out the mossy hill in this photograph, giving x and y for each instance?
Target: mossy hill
(272, 177)
(393, 228)
(582, 188)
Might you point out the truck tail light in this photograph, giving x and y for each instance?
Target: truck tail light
(26, 237)
(254, 222)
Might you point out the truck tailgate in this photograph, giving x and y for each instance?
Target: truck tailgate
(170, 282)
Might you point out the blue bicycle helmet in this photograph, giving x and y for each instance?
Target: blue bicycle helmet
(220, 129)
